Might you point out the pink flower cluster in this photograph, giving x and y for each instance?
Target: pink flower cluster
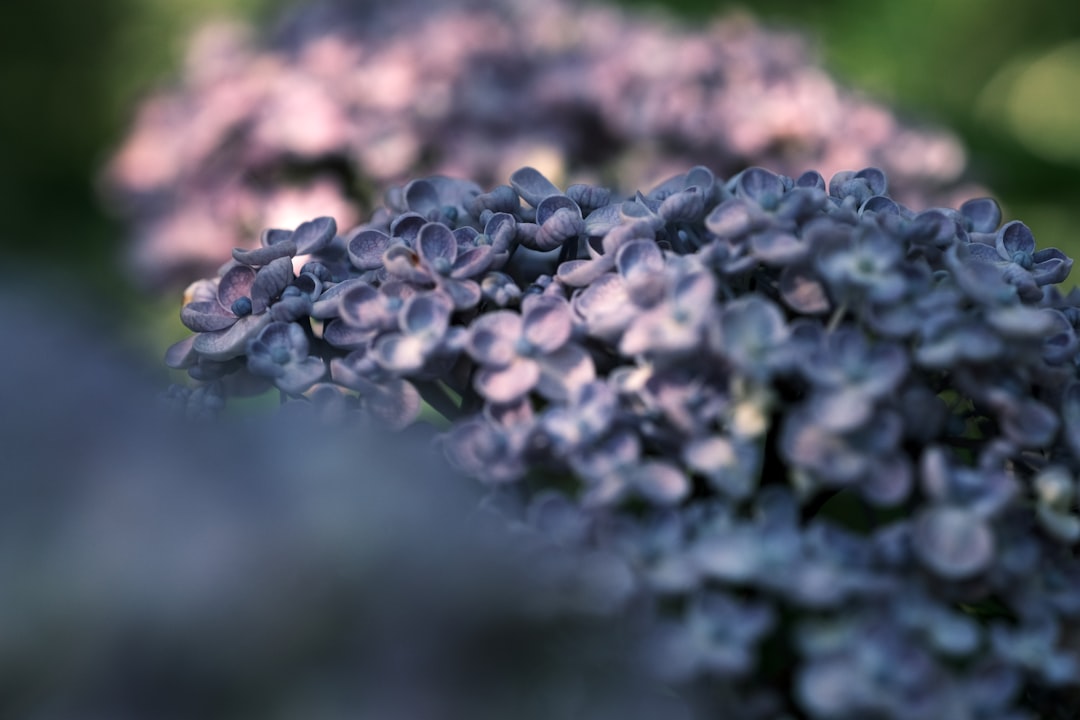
(341, 103)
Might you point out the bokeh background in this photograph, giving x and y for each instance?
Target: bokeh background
(1004, 75)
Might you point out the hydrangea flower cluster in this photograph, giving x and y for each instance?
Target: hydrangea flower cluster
(827, 445)
(347, 97)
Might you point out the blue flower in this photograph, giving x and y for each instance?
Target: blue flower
(708, 403)
(436, 262)
(718, 637)
(613, 468)
(280, 352)
(750, 333)
(863, 265)
(423, 332)
(533, 350)
(231, 301)
(491, 446)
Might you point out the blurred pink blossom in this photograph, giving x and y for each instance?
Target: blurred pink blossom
(343, 102)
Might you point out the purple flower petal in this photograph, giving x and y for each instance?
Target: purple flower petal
(300, 376)
(425, 314)
(874, 178)
(1014, 237)
(750, 329)
(619, 236)
(394, 401)
(546, 322)
(685, 206)
(406, 227)
(507, 384)
(879, 205)
(466, 237)
(532, 186)
(953, 542)
(291, 308)
(564, 225)
(639, 257)
(287, 336)
(258, 257)
(403, 263)
(472, 262)
(364, 307)
(580, 273)
(602, 220)
(588, 197)
(1051, 266)
(421, 197)
(952, 342)
(206, 316)
(479, 448)
(269, 282)
(803, 291)
(345, 336)
(639, 210)
(777, 247)
(1029, 423)
(759, 185)
(492, 338)
(731, 219)
(607, 457)
(355, 370)
(1021, 321)
(328, 305)
(230, 343)
(463, 294)
(982, 214)
(810, 179)
(660, 482)
(605, 307)
(275, 236)
(702, 177)
(501, 229)
(565, 372)
(889, 482)
(502, 199)
(400, 353)
(314, 235)
(366, 248)
(732, 467)
(842, 409)
(984, 253)
(437, 247)
(182, 355)
(552, 204)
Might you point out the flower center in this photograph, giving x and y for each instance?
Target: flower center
(769, 201)
(524, 347)
(865, 265)
(241, 306)
(441, 266)
(1023, 259)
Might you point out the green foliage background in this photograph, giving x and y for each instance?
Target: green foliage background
(1004, 74)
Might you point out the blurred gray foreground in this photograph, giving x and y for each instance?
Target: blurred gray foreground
(269, 567)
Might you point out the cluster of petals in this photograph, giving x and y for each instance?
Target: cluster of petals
(756, 395)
